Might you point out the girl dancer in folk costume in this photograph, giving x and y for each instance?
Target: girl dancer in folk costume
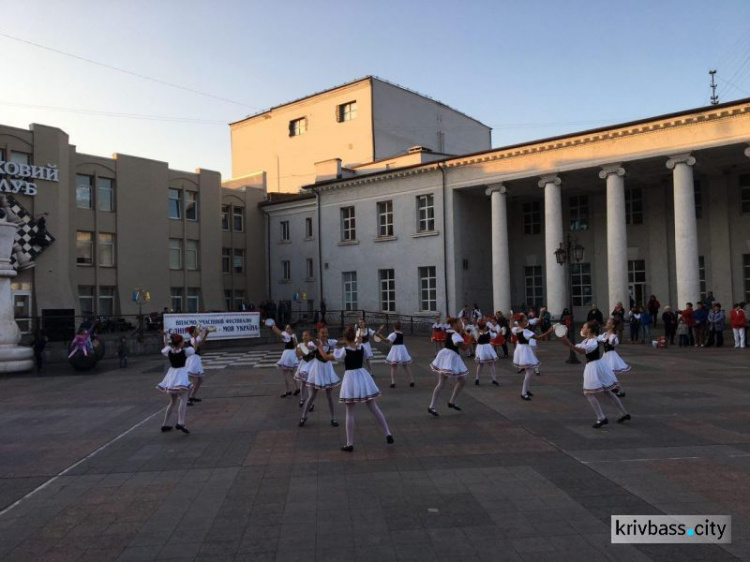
(321, 376)
(598, 378)
(364, 333)
(176, 383)
(524, 357)
(485, 352)
(194, 365)
(306, 354)
(438, 334)
(288, 362)
(357, 386)
(611, 358)
(448, 363)
(398, 355)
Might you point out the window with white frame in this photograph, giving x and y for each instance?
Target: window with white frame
(348, 224)
(84, 188)
(191, 255)
(385, 219)
(106, 301)
(634, 205)
(534, 285)
(297, 127)
(175, 204)
(532, 217)
(106, 249)
(20, 157)
(308, 228)
(346, 111)
(387, 279)
(349, 279)
(105, 194)
(226, 260)
(175, 296)
(702, 275)
(175, 253)
(582, 293)
(239, 261)
(84, 248)
(193, 299)
(310, 268)
(225, 210)
(238, 219)
(86, 299)
(579, 212)
(191, 205)
(428, 289)
(425, 213)
(286, 270)
(284, 231)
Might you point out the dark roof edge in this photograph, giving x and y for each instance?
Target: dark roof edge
(282, 198)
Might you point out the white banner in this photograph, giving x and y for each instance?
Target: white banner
(229, 325)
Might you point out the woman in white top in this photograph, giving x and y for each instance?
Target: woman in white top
(176, 382)
(321, 376)
(598, 378)
(194, 364)
(448, 363)
(288, 362)
(306, 354)
(611, 358)
(364, 334)
(485, 352)
(523, 355)
(398, 355)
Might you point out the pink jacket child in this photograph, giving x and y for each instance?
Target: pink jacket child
(80, 343)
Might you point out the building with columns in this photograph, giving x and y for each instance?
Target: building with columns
(660, 205)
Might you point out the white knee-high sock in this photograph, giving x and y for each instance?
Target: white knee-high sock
(329, 397)
(617, 402)
(312, 392)
(479, 370)
(438, 388)
(379, 415)
(182, 409)
(350, 424)
(172, 401)
(594, 401)
(492, 372)
(527, 380)
(460, 382)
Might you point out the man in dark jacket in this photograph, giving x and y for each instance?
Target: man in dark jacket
(670, 324)
(595, 314)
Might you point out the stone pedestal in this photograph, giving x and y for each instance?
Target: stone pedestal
(13, 358)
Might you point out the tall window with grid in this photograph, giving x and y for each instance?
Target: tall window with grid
(387, 280)
(534, 284)
(428, 289)
(385, 219)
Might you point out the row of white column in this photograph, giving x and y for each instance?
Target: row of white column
(556, 286)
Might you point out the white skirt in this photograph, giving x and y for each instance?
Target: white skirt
(358, 386)
(176, 380)
(368, 349)
(598, 377)
(485, 353)
(194, 366)
(524, 357)
(448, 362)
(321, 375)
(288, 360)
(302, 369)
(613, 360)
(398, 355)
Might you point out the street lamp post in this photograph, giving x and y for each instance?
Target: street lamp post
(570, 251)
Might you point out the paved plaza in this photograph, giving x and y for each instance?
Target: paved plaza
(86, 475)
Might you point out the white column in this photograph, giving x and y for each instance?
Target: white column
(685, 229)
(617, 239)
(557, 283)
(500, 254)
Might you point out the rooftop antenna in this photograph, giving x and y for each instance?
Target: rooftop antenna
(714, 97)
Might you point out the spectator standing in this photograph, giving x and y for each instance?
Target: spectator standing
(682, 332)
(687, 314)
(323, 311)
(717, 319)
(645, 326)
(38, 344)
(738, 322)
(123, 351)
(708, 301)
(595, 314)
(565, 318)
(634, 319)
(700, 321)
(618, 313)
(502, 322)
(545, 321)
(476, 314)
(653, 307)
(669, 319)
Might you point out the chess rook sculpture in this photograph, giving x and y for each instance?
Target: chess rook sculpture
(13, 358)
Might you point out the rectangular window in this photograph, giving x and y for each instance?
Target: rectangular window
(176, 298)
(175, 253)
(286, 270)
(238, 219)
(427, 289)
(346, 111)
(20, 157)
(86, 299)
(191, 255)
(193, 299)
(637, 281)
(532, 217)
(385, 218)
(534, 284)
(579, 212)
(191, 205)
(348, 224)
(239, 300)
(228, 299)
(226, 260)
(425, 213)
(175, 204)
(308, 228)
(702, 275)
(106, 250)
(105, 194)
(310, 268)
(106, 301)
(581, 273)
(297, 127)
(698, 192)
(745, 192)
(84, 248)
(634, 205)
(387, 278)
(350, 290)
(83, 191)
(225, 210)
(284, 231)
(239, 261)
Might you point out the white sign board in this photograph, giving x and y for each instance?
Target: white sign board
(229, 325)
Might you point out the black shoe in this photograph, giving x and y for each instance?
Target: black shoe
(301, 403)
(476, 382)
(624, 418)
(621, 394)
(537, 373)
(432, 412)
(301, 422)
(389, 439)
(296, 392)
(529, 393)
(496, 383)
(194, 399)
(190, 403)
(411, 385)
(600, 423)
(520, 370)
(393, 385)
(334, 423)
(348, 448)
(285, 395)
(525, 397)
(451, 405)
(182, 428)
(312, 407)
(166, 428)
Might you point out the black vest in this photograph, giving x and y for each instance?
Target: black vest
(521, 338)
(177, 360)
(399, 339)
(354, 359)
(365, 336)
(449, 342)
(593, 355)
(319, 357)
(309, 356)
(608, 346)
(483, 338)
(289, 344)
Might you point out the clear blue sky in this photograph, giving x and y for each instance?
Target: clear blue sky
(529, 69)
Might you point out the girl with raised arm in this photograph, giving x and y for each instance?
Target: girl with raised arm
(524, 357)
(176, 383)
(321, 375)
(288, 362)
(194, 364)
(398, 355)
(448, 363)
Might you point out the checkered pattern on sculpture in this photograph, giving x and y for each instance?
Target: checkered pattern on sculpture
(26, 247)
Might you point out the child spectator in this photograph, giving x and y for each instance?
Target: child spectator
(682, 333)
(122, 352)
